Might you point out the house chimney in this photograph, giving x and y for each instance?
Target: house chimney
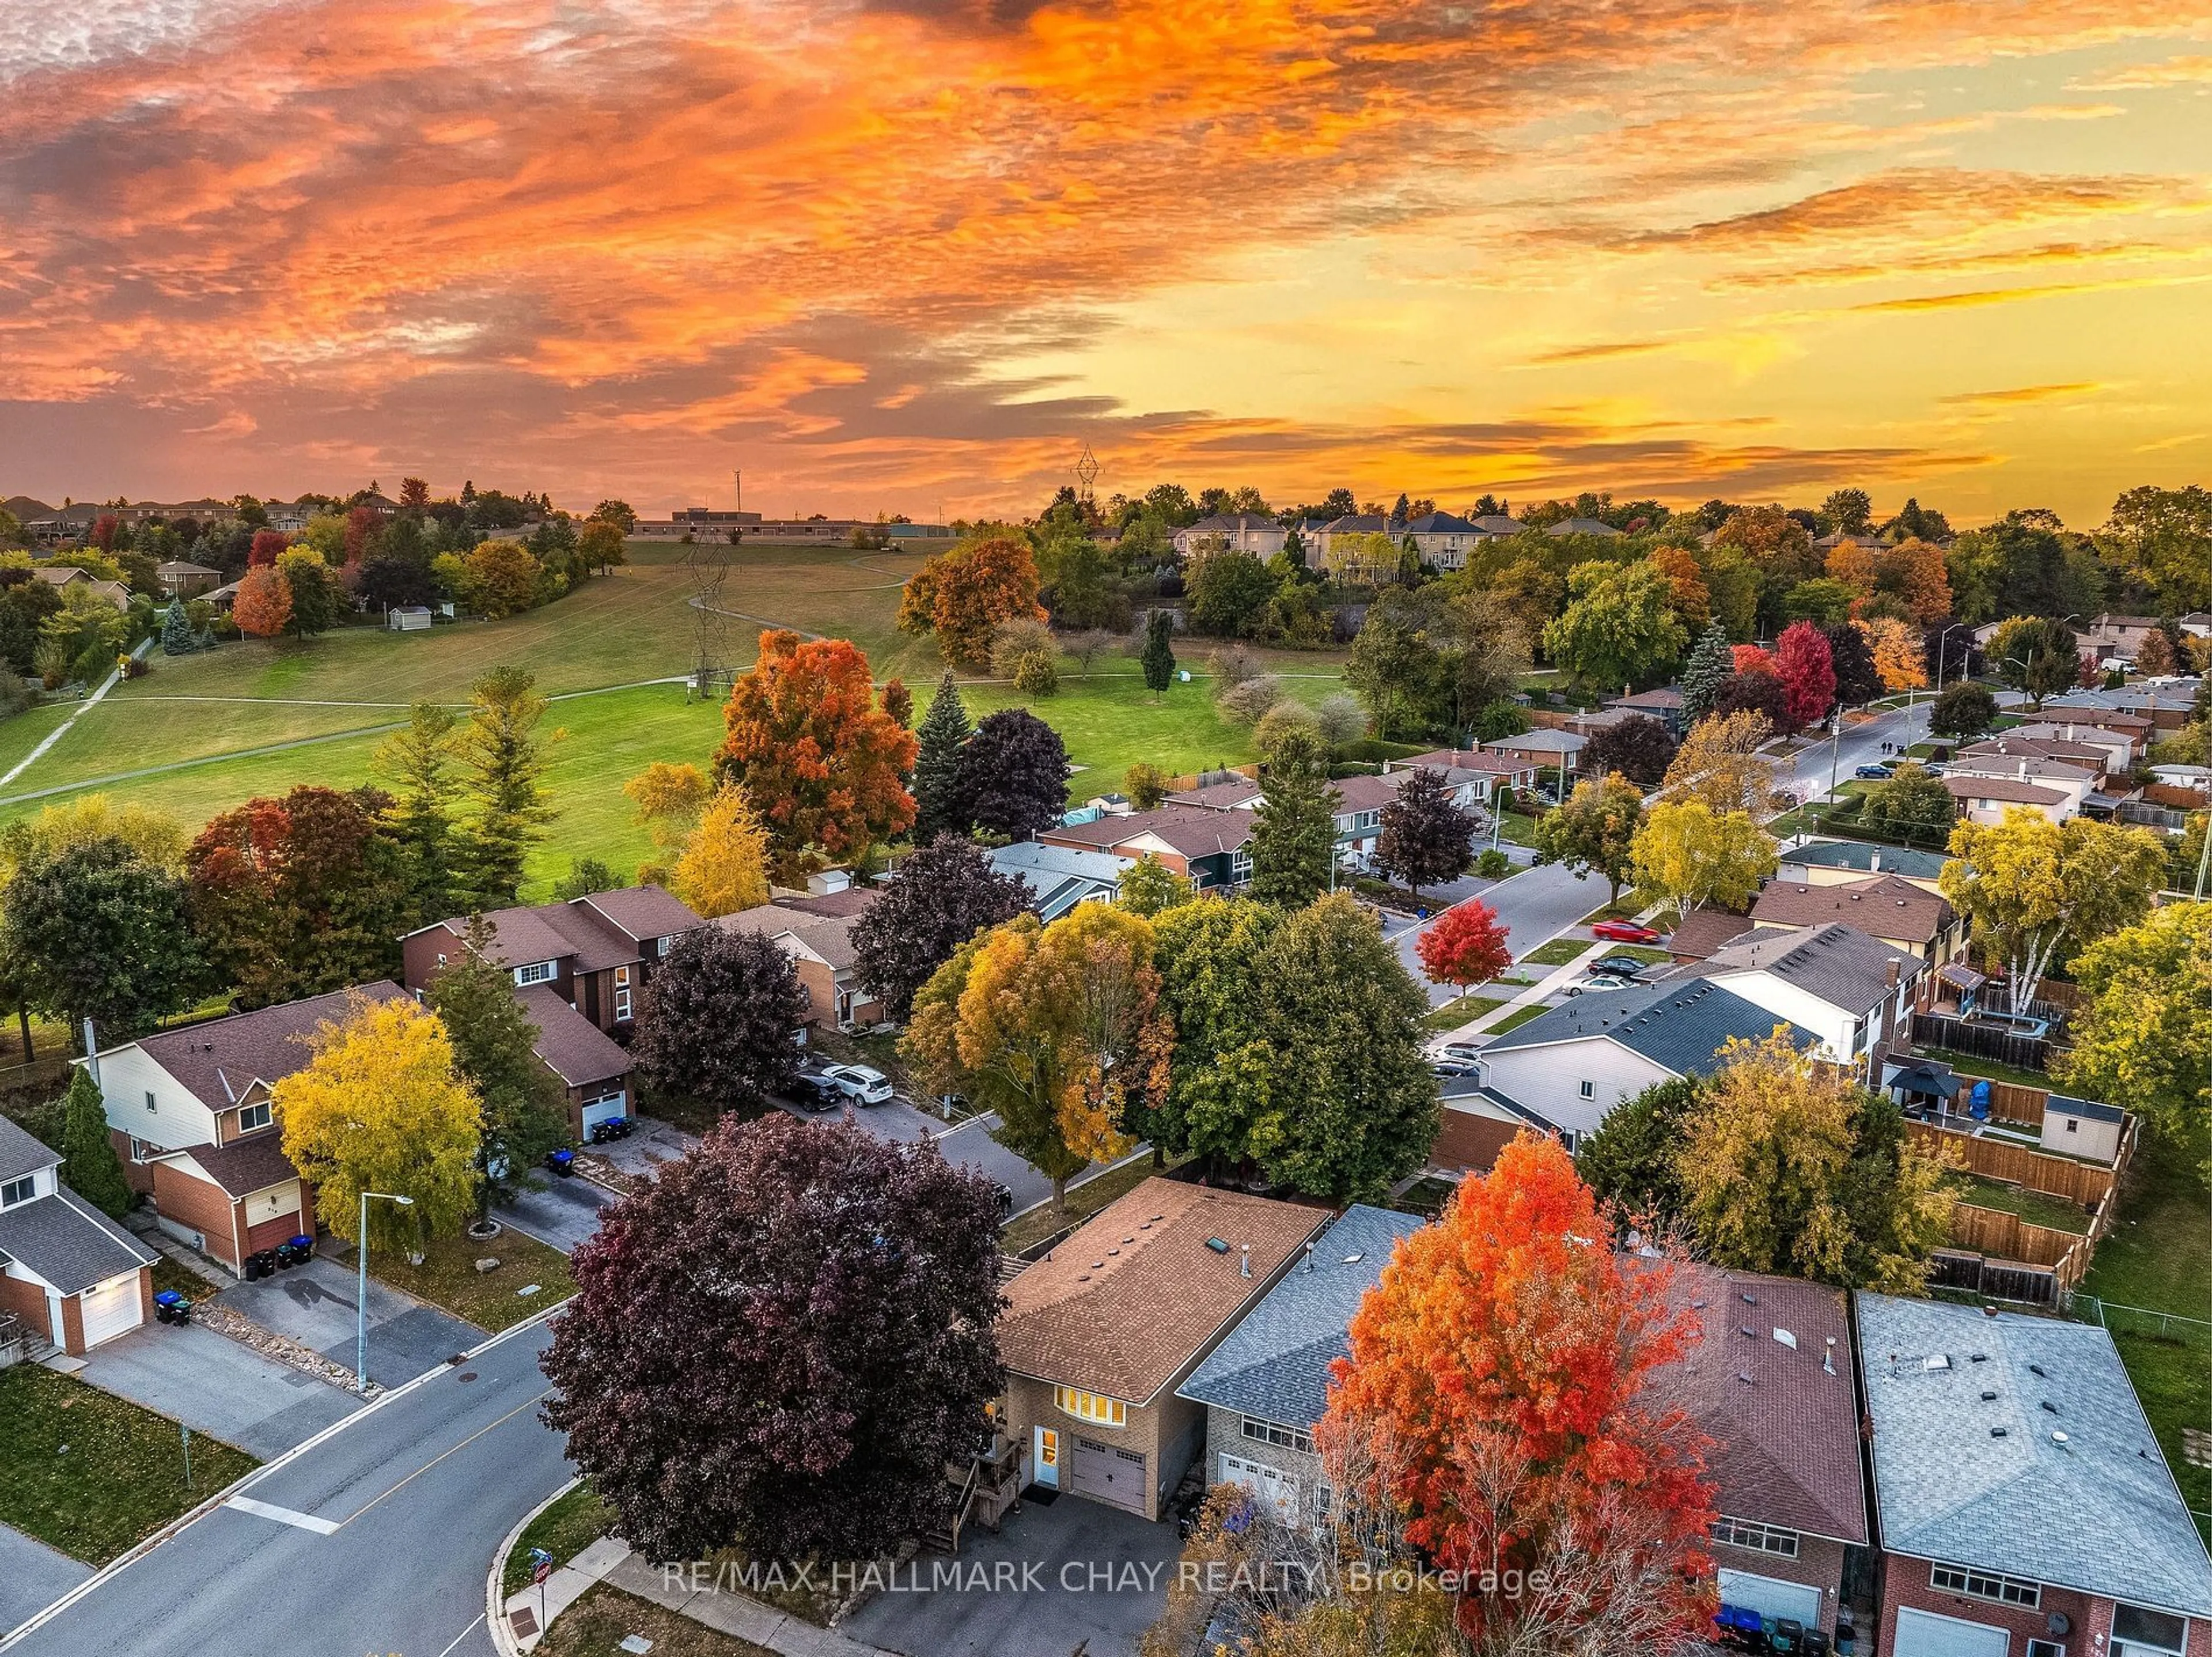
(1310, 1264)
(1893, 973)
(2023, 770)
(1873, 863)
(1245, 1262)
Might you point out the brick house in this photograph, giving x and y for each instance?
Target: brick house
(73, 1276)
(816, 932)
(190, 1113)
(1900, 914)
(1769, 1381)
(1213, 849)
(2024, 1508)
(1266, 1387)
(1096, 1336)
(1473, 775)
(1547, 751)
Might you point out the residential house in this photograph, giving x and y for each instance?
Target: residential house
(2119, 747)
(2168, 707)
(1266, 1387)
(1986, 799)
(1235, 792)
(1885, 907)
(2024, 1509)
(597, 951)
(1211, 848)
(816, 932)
(1769, 1382)
(2076, 783)
(1473, 775)
(73, 1276)
(2116, 636)
(1987, 756)
(1096, 1336)
(1564, 1070)
(67, 575)
(1855, 993)
(1838, 862)
(1059, 877)
(1664, 704)
(181, 579)
(192, 1115)
(1255, 533)
(1359, 803)
(1701, 932)
(1550, 752)
(1331, 548)
(1498, 523)
(1582, 527)
(1444, 539)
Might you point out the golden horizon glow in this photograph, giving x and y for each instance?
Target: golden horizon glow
(884, 257)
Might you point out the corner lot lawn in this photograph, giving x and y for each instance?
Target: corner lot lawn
(86, 1473)
(572, 1524)
(597, 1624)
(449, 1278)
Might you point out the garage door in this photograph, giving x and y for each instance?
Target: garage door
(1106, 1474)
(603, 1110)
(1923, 1634)
(1771, 1598)
(111, 1309)
(1270, 1483)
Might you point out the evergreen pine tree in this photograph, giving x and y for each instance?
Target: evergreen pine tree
(176, 638)
(944, 731)
(90, 1164)
(1294, 837)
(503, 761)
(419, 761)
(1158, 659)
(1709, 667)
(495, 1046)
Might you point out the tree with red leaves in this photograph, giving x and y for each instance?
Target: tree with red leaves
(361, 524)
(262, 606)
(821, 763)
(1752, 659)
(1465, 945)
(1806, 669)
(268, 546)
(1499, 1394)
(105, 529)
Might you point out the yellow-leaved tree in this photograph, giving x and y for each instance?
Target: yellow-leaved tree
(1787, 1167)
(1058, 1028)
(723, 867)
(382, 1107)
(669, 798)
(1899, 652)
(1719, 764)
(157, 837)
(1686, 854)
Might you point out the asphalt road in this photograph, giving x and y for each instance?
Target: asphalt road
(378, 1541)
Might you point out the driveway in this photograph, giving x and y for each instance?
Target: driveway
(313, 1305)
(216, 1386)
(969, 1143)
(563, 1214)
(32, 1577)
(1083, 1577)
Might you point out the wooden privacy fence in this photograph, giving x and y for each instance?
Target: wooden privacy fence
(2019, 1165)
(1993, 1232)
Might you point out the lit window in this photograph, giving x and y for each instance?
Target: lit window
(251, 1116)
(1761, 1538)
(1266, 1432)
(18, 1190)
(1090, 1407)
(1985, 1584)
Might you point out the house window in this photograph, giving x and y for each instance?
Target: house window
(1266, 1432)
(251, 1116)
(2072, 1126)
(536, 972)
(1589, 1090)
(1240, 865)
(2140, 1633)
(1985, 1584)
(2046, 1649)
(1761, 1538)
(1092, 1406)
(151, 1105)
(142, 1148)
(18, 1190)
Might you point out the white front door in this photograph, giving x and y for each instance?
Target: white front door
(1045, 1460)
(1771, 1597)
(1924, 1634)
(110, 1309)
(1271, 1485)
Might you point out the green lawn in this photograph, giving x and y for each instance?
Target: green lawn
(87, 1473)
(1558, 952)
(2035, 1207)
(572, 1524)
(1514, 1021)
(597, 1624)
(1967, 1065)
(1453, 1014)
(490, 1300)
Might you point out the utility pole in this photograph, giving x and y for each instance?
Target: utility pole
(361, 1286)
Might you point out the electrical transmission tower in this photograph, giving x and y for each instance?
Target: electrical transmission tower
(709, 564)
(1087, 473)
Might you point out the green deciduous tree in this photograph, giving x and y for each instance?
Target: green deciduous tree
(96, 932)
(1592, 830)
(1913, 801)
(2145, 1038)
(1619, 628)
(522, 1111)
(1630, 1161)
(1229, 592)
(1148, 886)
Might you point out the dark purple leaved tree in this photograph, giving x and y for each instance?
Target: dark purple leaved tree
(943, 895)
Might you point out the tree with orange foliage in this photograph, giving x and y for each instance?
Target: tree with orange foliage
(262, 607)
(268, 546)
(820, 763)
(1916, 571)
(1901, 655)
(1855, 567)
(1499, 1394)
(1693, 601)
(964, 596)
(1466, 945)
(1752, 659)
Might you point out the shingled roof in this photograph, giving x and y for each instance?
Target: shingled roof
(219, 1060)
(1124, 1304)
(1678, 1023)
(1886, 906)
(1840, 964)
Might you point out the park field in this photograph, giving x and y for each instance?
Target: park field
(202, 734)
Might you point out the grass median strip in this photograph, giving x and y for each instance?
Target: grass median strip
(597, 1624)
(572, 1524)
(90, 1474)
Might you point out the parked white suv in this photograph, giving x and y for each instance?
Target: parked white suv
(860, 1083)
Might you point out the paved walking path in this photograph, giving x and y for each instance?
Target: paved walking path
(63, 729)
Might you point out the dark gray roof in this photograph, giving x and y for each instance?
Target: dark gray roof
(1840, 964)
(220, 1060)
(1580, 526)
(23, 1152)
(1857, 854)
(1679, 1025)
(1275, 1364)
(68, 1242)
(2090, 1109)
(248, 1164)
(1440, 523)
(2079, 1499)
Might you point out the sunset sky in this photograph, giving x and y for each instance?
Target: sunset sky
(900, 256)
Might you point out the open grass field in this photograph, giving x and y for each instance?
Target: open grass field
(203, 733)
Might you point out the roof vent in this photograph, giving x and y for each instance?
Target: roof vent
(1936, 1360)
(2060, 1438)
(1749, 1333)
(1997, 1432)
(1112, 1252)
(1989, 1395)
(1978, 1357)
(1751, 1300)
(2050, 1407)
(2035, 1369)
(1744, 1375)
(1698, 1305)
(1099, 1265)
(1354, 1259)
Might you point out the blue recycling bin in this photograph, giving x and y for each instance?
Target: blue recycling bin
(1978, 1102)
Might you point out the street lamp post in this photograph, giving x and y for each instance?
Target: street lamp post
(361, 1286)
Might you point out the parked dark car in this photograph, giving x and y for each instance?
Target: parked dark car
(1620, 966)
(815, 1089)
(1880, 772)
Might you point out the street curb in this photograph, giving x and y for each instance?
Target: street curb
(503, 1637)
(193, 1515)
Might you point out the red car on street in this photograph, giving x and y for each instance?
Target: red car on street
(1625, 932)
